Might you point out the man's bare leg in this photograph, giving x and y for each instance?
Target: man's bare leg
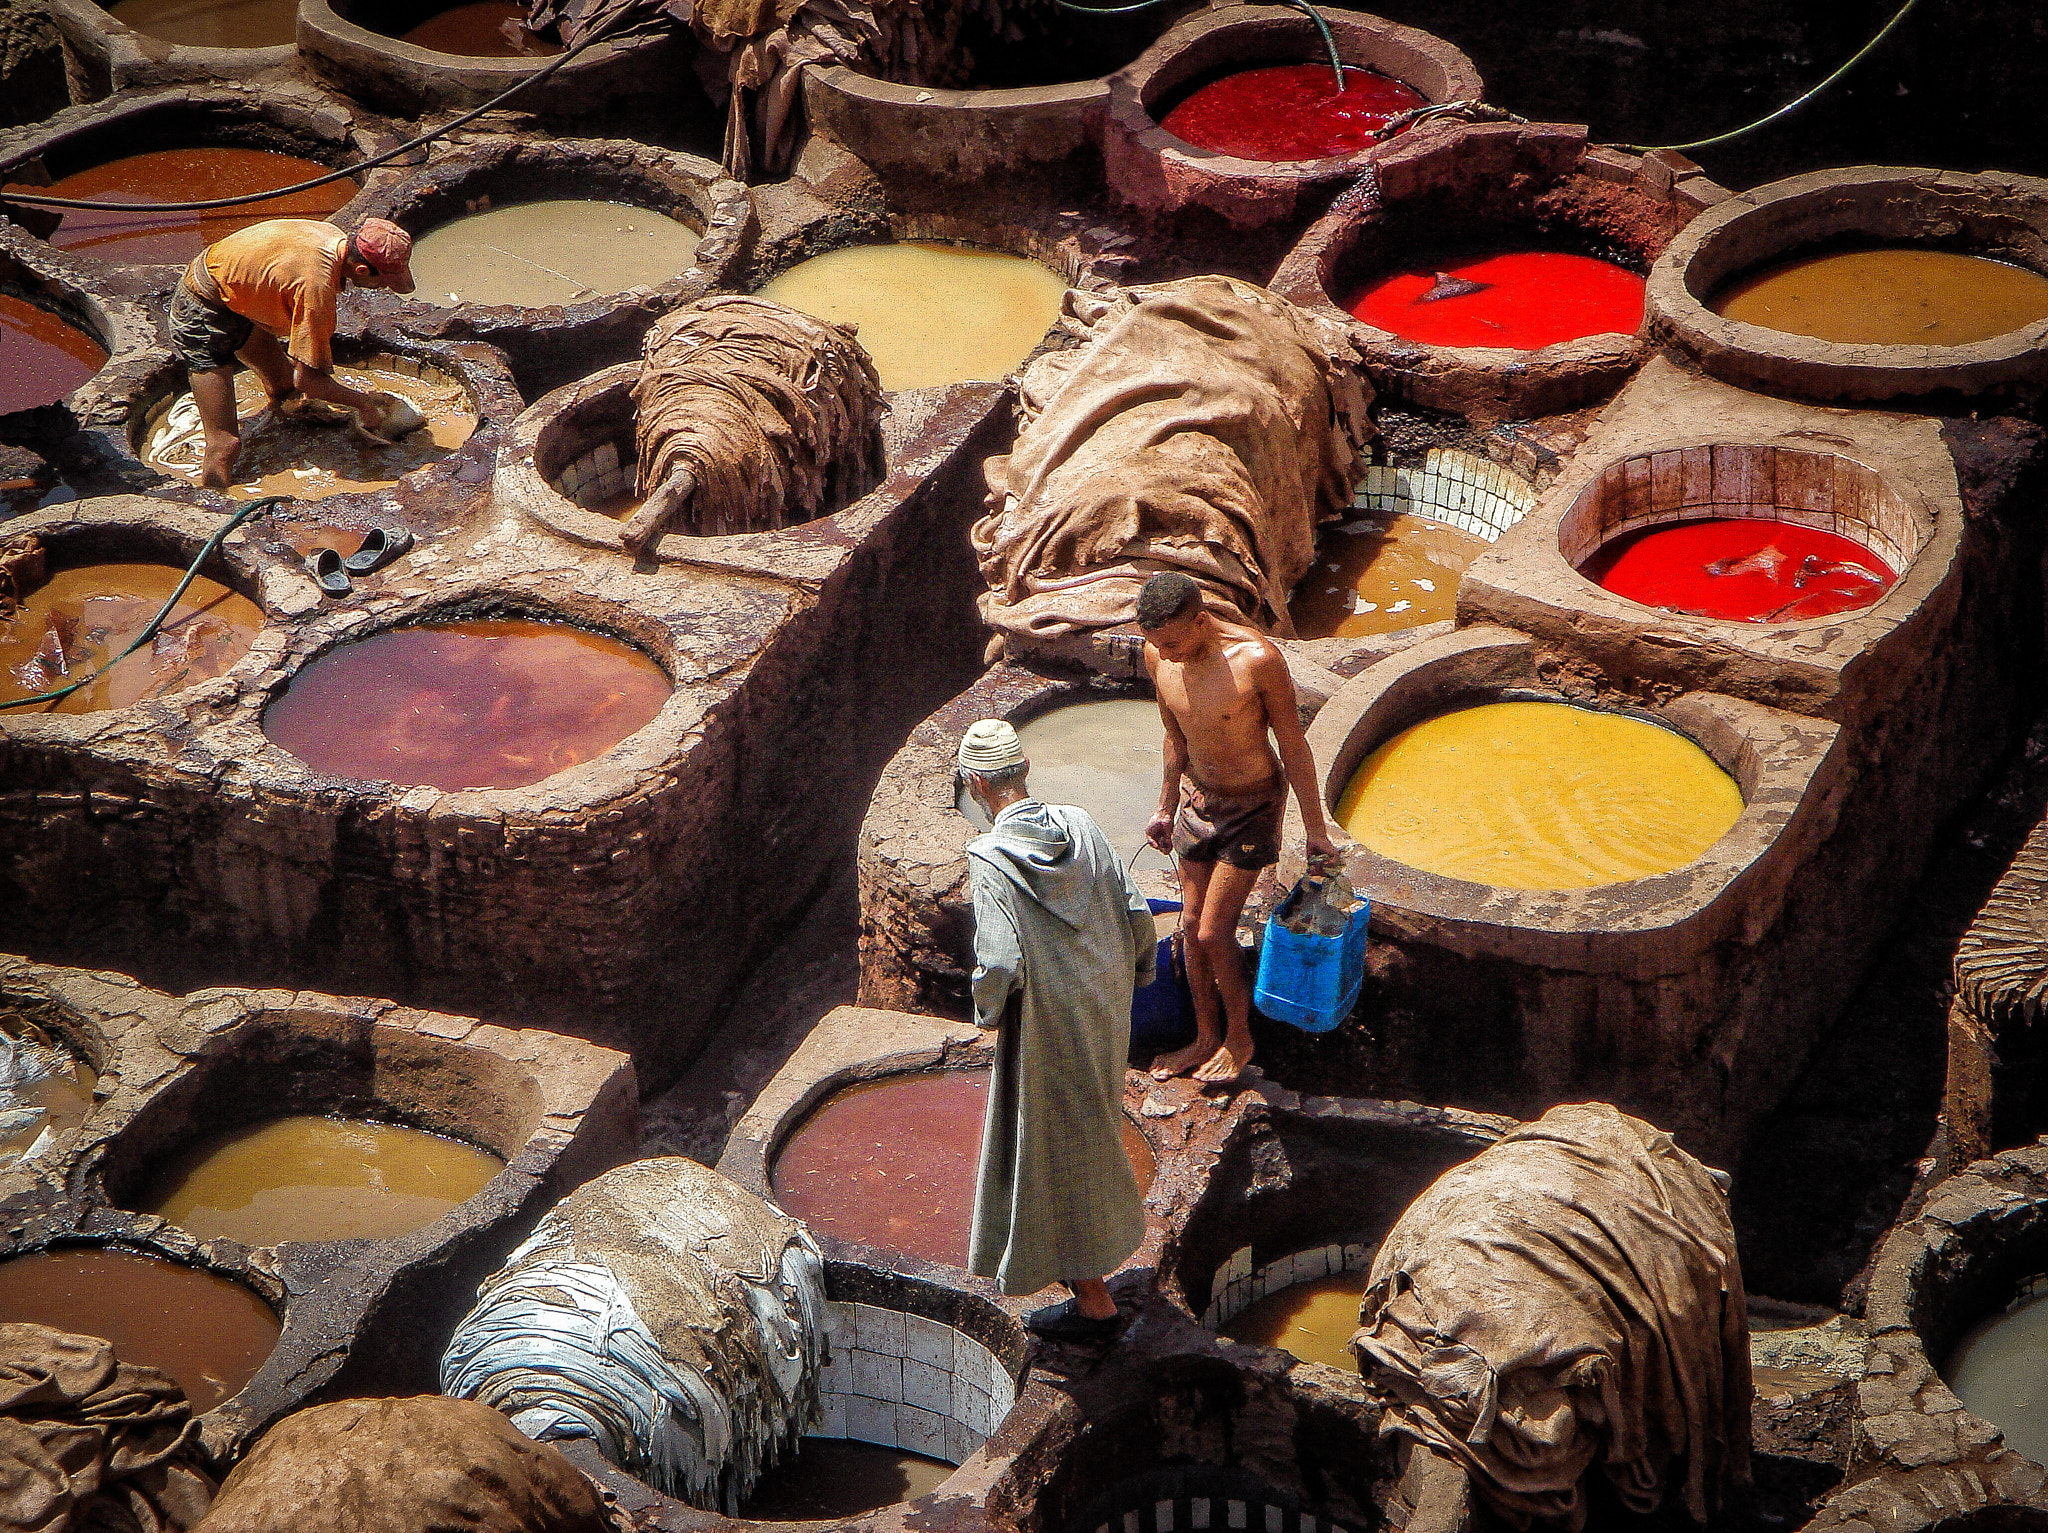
(1194, 894)
(267, 360)
(213, 391)
(1216, 937)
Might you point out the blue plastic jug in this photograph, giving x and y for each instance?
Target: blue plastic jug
(1163, 1012)
(1308, 978)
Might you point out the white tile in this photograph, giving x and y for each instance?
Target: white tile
(1273, 1515)
(1130, 1522)
(1162, 1516)
(929, 1341)
(927, 1387)
(1308, 1523)
(834, 1424)
(876, 1376)
(1356, 1259)
(967, 1355)
(838, 1323)
(882, 1331)
(871, 1421)
(962, 1442)
(836, 1377)
(1198, 1514)
(1236, 1517)
(608, 457)
(921, 1431)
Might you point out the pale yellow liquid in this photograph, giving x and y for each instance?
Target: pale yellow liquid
(1379, 574)
(1313, 1320)
(214, 23)
(929, 314)
(1539, 796)
(542, 255)
(1890, 298)
(1107, 758)
(307, 1178)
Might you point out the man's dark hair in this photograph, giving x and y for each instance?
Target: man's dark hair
(1165, 597)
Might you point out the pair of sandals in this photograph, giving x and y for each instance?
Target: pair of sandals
(332, 573)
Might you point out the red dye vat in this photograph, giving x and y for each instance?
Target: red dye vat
(1290, 112)
(1524, 300)
(892, 1163)
(1744, 569)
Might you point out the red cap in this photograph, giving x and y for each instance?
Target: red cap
(388, 248)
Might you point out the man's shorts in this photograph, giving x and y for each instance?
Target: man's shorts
(1241, 829)
(204, 335)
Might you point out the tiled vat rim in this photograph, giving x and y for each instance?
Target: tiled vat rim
(1744, 479)
(1237, 1285)
(907, 1381)
(1194, 1503)
(1470, 493)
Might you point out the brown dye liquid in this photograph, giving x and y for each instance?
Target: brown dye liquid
(310, 1178)
(1313, 1320)
(1889, 298)
(484, 29)
(308, 462)
(213, 23)
(1377, 574)
(832, 1477)
(184, 175)
(892, 1163)
(41, 358)
(81, 618)
(208, 1332)
(495, 703)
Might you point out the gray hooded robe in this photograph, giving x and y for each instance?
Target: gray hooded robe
(1061, 938)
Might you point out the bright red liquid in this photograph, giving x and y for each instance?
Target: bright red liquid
(1532, 298)
(1667, 566)
(1290, 112)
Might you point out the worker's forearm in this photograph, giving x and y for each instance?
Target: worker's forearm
(1300, 766)
(315, 384)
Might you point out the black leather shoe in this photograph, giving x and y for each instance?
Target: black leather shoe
(1065, 1322)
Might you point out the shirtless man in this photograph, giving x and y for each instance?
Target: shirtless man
(1221, 689)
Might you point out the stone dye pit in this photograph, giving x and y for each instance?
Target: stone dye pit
(47, 357)
(890, 1163)
(1951, 298)
(1311, 1318)
(1378, 574)
(830, 1478)
(929, 314)
(81, 618)
(1751, 570)
(309, 461)
(1536, 795)
(1245, 166)
(206, 1331)
(484, 703)
(1495, 269)
(550, 254)
(313, 1178)
(184, 175)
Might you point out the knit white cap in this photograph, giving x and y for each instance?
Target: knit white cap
(989, 746)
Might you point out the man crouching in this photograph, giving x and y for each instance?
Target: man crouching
(1061, 938)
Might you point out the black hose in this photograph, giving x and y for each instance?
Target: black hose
(601, 35)
(58, 694)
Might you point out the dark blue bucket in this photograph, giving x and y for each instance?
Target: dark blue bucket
(1163, 1012)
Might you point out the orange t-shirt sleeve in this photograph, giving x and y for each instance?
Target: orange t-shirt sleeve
(311, 305)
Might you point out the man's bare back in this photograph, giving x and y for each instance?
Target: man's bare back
(1234, 747)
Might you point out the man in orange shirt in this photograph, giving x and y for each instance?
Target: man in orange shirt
(272, 282)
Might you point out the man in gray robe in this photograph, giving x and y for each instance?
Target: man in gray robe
(1061, 938)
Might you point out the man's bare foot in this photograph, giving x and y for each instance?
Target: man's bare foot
(1180, 1061)
(1227, 1063)
(217, 471)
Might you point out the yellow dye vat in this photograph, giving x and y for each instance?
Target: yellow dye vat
(929, 314)
(1532, 795)
(1889, 298)
(1313, 1320)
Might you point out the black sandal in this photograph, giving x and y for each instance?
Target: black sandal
(1065, 1322)
(378, 550)
(326, 568)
